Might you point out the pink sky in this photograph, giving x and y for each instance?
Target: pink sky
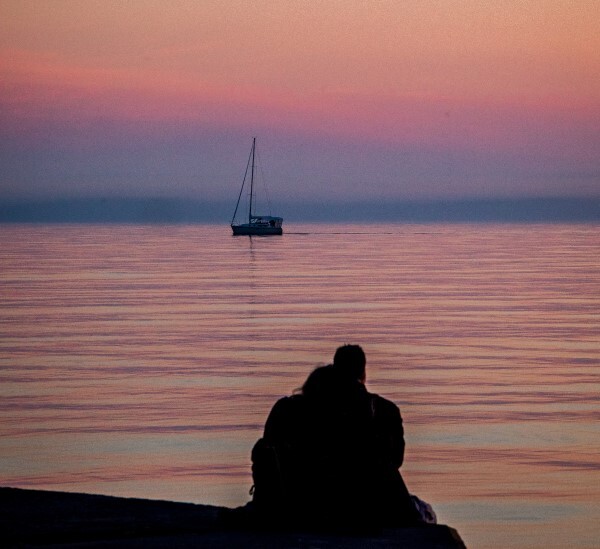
(445, 98)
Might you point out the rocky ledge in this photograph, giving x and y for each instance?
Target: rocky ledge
(38, 518)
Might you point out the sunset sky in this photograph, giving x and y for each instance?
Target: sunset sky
(349, 100)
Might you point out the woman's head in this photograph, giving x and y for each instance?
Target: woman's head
(321, 383)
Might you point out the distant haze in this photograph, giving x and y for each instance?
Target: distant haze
(374, 104)
(169, 210)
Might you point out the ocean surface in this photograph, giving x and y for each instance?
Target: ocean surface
(143, 360)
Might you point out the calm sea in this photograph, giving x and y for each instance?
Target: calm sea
(142, 360)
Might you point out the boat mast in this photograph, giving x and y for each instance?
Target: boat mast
(251, 181)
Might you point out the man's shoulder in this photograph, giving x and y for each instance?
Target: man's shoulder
(383, 406)
(382, 400)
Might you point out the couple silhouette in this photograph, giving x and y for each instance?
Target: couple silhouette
(330, 455)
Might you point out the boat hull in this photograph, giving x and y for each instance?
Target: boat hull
(250, 230)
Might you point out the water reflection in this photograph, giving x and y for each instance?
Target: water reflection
(142, 361)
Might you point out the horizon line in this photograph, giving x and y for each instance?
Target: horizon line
(156, 209)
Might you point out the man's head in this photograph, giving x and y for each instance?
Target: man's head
(351, 360)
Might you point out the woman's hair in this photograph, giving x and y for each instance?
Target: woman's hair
(320, 383)
(328, 385)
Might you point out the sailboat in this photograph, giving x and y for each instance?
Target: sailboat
(259, 225)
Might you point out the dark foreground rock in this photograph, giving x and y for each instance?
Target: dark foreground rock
(30, 518)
